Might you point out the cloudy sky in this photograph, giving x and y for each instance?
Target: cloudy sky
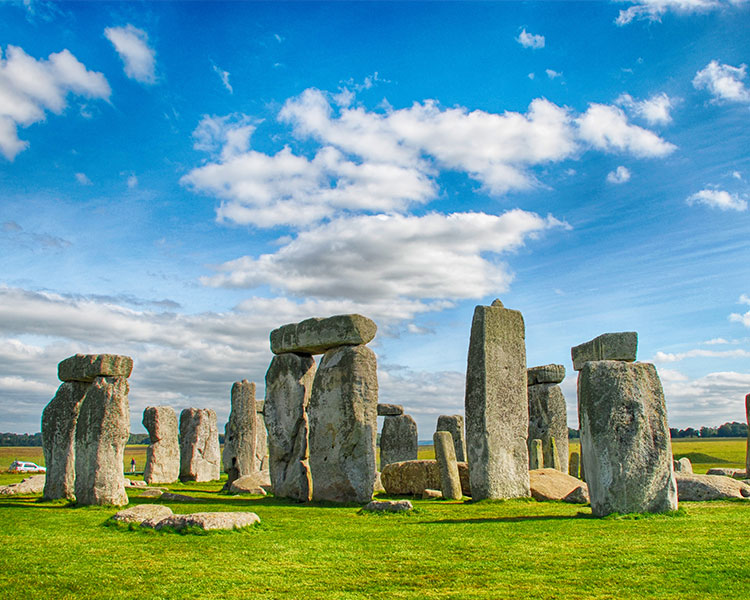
(178, 179)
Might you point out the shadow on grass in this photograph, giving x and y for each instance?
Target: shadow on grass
(516, 519)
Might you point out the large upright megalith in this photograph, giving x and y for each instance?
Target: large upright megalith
(747, 451)
(261, 437)
(445, 455)
(101, 434)
(240, 432)
(59, 420)
(398, 440)
(625, 440)
(163, 452)
(343, 425)
(497, 408)
(289, 382)
(200, 458)
(454, 424)
(548, 416)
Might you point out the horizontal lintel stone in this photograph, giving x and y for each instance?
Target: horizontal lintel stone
(87, 367)
(317, 335)
(608, 346)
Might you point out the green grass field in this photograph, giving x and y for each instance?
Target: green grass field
(512, 549)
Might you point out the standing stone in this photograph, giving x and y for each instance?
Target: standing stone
(314, 336)
(58, 440)
(536, 455)
(551, 456)
(582, 471)
(343, 425)
(445, 454)
(200, 455)
(683, 466)
(497, 407)
(455, 425)
(240, 433)
(398, 440)
(747, 451)
(625, 439)
(101, 434)
(608, 346)
(261, 437)
(573, 465)
(163, 453)
(289, 382)
(548, 418)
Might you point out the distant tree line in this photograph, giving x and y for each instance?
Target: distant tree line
(20, 439)
(733, 429)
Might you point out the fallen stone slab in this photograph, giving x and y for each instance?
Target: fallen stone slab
(580, 495)
(431, 494)
(698, 488)
(30, 485)
(390, 410)
(171, 497)
(255, 483)
(210, 521)
(142, 512)
(315, 336)
(608, 346)
(413, 477)
(394, 506)
(551, 484)
(723, 472)
(545, 374)
(151, 493)
(87, 367)
(135, 483)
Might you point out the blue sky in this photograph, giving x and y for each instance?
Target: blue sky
(180, 178)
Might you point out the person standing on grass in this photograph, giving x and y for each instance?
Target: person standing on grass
(132, 465)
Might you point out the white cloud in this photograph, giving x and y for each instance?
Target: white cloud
(744, 299)
(723, 82)
(131, 44)
(224, 76)
(606, 128)
(717, 341)
(553, 74)
(619, 175)
(654, 10)
(655, 110)
(529, 40)
(83, 179)
(373, 258)
(30, 87)
(132, 181)
(666, 357)
(720, 199)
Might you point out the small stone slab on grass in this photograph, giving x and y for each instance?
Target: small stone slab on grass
(143, 512)
(699, 488)
(170, 497)
(432, 495)
(210, 521)
(388, 506)
(30, 485)
(551, 484)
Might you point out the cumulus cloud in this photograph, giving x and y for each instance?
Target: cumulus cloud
(138, 58)
(720, 199)
(667, 357)
(654, 10)
(723, 82)
(83, 179)
(712, 399)
(619, 175)
(529, 40)
(30, 87)
(655, 110)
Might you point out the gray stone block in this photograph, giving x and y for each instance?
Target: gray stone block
(200, 454)
(545, 374)
(398, 440)
(87, 367)
(548, 418)
(390, 410)
(455, 425)
(240, 434)
(608, 346)
(536, 455)
(315, 336)
(445, 454)
(163, 452)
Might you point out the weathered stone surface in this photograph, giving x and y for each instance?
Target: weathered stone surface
(431, 494)
(250, 484)
(30, 485)
(59, 420)
(87, 367)
(398, 440)
(210, 521)
(315, 336)
(580, 495)
(151, 493)
(163, 452)
(200, 458)
(625, 439)
(747, 420)
(455, 425)
(536, 455)
(101, 434)
(240, 432)
(134, 483)
(548, 418)
(698, 488)
(343, 425)
(608, 346)
(395, 506)
(723, 471)
(142, 512)
(683, 466)
(390, 410)
(171, 497)
(378, 484)
(412, 477)
(445, 454)
(545, 374)
(497, 408)
(289, 381)
(551, 484)
(573, 464)
(261, 437)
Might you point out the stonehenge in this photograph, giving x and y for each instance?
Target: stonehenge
(85, 428)
(163, 452)
(496, 404)
(398, 440)
(445, 454)
(548, 415)
(536, 455)
(625, 439)
(240, 434)
(200, 455)
(455, 425)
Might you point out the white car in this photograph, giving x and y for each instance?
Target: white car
(19, 466)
